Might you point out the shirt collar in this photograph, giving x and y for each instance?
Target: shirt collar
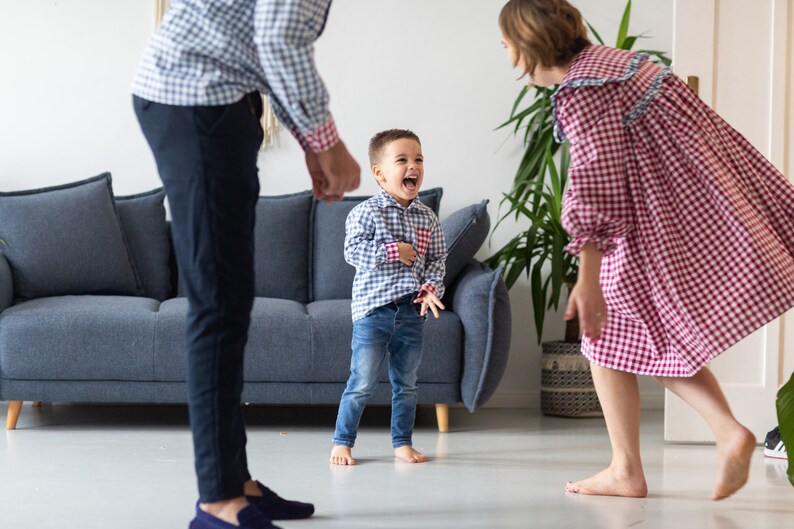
(385, 200)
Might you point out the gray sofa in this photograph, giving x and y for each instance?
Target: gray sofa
(91, 311)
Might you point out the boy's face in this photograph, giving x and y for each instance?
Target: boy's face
(400, 170)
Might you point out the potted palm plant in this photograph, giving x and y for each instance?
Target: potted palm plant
(539, 250)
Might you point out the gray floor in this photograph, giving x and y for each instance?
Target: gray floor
(120, 467)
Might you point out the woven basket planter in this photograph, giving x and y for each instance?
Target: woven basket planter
(566, 385)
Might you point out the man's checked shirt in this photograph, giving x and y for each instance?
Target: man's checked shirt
(213, 52)
(372, 231)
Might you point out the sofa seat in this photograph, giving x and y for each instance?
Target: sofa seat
(279, 342)
(86, 338)
(315, 338)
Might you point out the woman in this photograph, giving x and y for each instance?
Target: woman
(685, 233)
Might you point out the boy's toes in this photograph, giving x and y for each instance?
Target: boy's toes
(409, 455)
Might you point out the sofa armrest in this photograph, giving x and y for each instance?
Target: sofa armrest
(6, 284)
(479, 298)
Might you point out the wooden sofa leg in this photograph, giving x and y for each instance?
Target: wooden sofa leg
(442, 416)
(13, 413)
(36, 404)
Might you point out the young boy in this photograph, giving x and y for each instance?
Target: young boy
(397, 246)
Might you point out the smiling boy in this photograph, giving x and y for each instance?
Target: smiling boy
(397, 246)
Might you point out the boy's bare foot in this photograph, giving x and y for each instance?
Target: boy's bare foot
(611, 482)
(341, 455)
(407, 453)
(734, 452)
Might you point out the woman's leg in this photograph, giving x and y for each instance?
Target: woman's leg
(735, 443)
(620, 401)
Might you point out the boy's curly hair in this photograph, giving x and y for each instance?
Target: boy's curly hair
(385, 137)
(546, 33)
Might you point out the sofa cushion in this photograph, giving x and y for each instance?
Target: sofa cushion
(481, 301)
(78, 338)
(66, 240)
(332, 276)
(143, 221)
(6, 284)
(282, 246)
(464, 232)
(332, 331)
(279, 342)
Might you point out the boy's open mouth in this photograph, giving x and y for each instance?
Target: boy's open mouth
(409, 182)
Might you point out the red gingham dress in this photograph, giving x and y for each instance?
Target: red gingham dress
(696, 226)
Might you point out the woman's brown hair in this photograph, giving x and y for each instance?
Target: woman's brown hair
(545, 33)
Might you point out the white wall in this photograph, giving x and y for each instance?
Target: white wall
(435, 66)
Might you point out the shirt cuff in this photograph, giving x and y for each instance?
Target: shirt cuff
(392, 252)
(320, 139)
(429, 288)
(605, 244)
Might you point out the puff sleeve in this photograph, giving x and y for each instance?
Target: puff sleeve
(596, 206)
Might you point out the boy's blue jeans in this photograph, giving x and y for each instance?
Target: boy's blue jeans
(396, 330)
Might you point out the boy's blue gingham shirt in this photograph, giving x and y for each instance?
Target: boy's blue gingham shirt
(372, 231)
(213, 52)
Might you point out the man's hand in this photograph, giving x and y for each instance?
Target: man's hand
(407, 253)
(333, 172)
(428, 299)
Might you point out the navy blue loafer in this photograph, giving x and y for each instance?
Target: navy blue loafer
(249, 518)
(275, 507)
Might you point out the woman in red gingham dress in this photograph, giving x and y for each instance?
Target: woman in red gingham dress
(685, 233)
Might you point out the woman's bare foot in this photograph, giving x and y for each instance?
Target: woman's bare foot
(341, 455)
(407, 453)
(611, 482)
(734, 452)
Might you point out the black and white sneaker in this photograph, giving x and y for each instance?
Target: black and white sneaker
(773, 445)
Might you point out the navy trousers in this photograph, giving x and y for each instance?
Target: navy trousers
(206, 157)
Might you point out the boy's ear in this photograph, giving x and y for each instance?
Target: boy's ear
(377, 172)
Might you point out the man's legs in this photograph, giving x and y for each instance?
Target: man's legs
(206, 157)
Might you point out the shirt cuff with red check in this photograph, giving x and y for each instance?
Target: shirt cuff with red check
(320, 139)
(392, 252)
(429, 288)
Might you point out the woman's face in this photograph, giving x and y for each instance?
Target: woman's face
(512, 54)
(542, 76)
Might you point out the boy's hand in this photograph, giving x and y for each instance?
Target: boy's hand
(407, 253)
(428, 299)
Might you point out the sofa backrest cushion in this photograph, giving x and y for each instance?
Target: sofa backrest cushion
(143, 221)
(464, 232)
(282, 246)
(66, 240)
(332, 276)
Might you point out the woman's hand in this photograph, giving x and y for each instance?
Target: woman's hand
(587, 300)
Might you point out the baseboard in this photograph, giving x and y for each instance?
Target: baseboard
(531, 399)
